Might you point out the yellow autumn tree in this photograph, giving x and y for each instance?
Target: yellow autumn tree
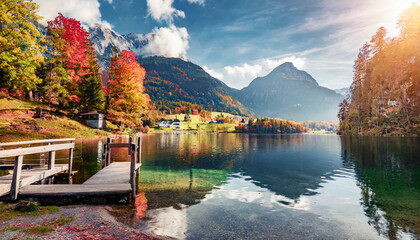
(127, 102)
(20, 45)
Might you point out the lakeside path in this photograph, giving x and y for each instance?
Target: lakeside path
(89, 222)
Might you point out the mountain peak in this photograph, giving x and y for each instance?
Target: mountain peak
(290, 93)
(289, 72)
(286, 65)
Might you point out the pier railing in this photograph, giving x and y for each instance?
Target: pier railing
(18, 153)
(134, 151)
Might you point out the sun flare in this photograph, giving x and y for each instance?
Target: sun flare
(398, 6)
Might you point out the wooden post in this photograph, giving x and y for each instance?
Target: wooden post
(42, 159)
(139, 149)
(71, 150)
(104, 157)
(14, 189)
(132, 169)
(51, 160)
(108, 152)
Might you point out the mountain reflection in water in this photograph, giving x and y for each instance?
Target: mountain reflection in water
(217, 186)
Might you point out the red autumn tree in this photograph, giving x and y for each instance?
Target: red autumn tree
(73, 49)
(127, 102)
(69, 61)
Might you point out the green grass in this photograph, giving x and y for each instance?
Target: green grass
(18, 125)
(203, 127)
(31, 208)
(10, 228)
(44, 228)
(216, 114)
(7, 211)
(11, 103)
(219, 127)
(39, 229)
(62, 220)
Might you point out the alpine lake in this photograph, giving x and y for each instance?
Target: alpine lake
(240, 186)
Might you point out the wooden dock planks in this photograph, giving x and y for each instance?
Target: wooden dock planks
(111, 180)
(115, 179)
(66, 190)
(115, 173)
(29, 176)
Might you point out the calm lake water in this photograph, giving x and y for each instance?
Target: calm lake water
(235, 186)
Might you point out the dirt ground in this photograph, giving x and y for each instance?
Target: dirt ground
(88, 222)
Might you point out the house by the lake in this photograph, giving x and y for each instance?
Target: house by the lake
(175, 124)
(94, 119)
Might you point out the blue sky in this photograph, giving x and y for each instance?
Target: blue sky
(238, 40)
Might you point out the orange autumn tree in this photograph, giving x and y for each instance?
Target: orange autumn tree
(127, 102)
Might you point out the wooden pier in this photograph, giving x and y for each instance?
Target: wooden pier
(11, 184)
(115, 179)
(112, 180)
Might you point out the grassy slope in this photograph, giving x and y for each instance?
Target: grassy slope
(16, 123)
(203, 127)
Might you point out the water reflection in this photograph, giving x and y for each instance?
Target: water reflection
(291, 168)
(306, 177)
(388, 173)
(220, 186)
(88, 154)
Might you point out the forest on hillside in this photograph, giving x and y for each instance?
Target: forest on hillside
(385, 93)
(58, 66)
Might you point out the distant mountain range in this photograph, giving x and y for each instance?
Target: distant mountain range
(170, 80)
(286, 92)
(104, 40)
(343, 91)
(292, 94)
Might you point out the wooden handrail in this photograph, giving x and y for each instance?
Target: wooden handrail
(19, 152)
(32, 150)
(37, 141)
(119, 145)
(134, 151)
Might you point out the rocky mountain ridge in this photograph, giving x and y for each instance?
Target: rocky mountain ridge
(286, 92)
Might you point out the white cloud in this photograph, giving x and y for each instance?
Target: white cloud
(362, 14)
(273, 63)
(240, 76)
(343, 27)
(109, 1)
(243, 72)
(213, 73)
(162, 10)
(201, 2)
(85, 11)
(168, 42)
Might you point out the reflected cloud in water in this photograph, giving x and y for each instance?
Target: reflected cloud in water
(219, 186)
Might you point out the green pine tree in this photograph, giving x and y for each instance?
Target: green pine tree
(91, 94)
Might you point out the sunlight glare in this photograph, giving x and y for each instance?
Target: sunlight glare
(398, 6)
(393, 10)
